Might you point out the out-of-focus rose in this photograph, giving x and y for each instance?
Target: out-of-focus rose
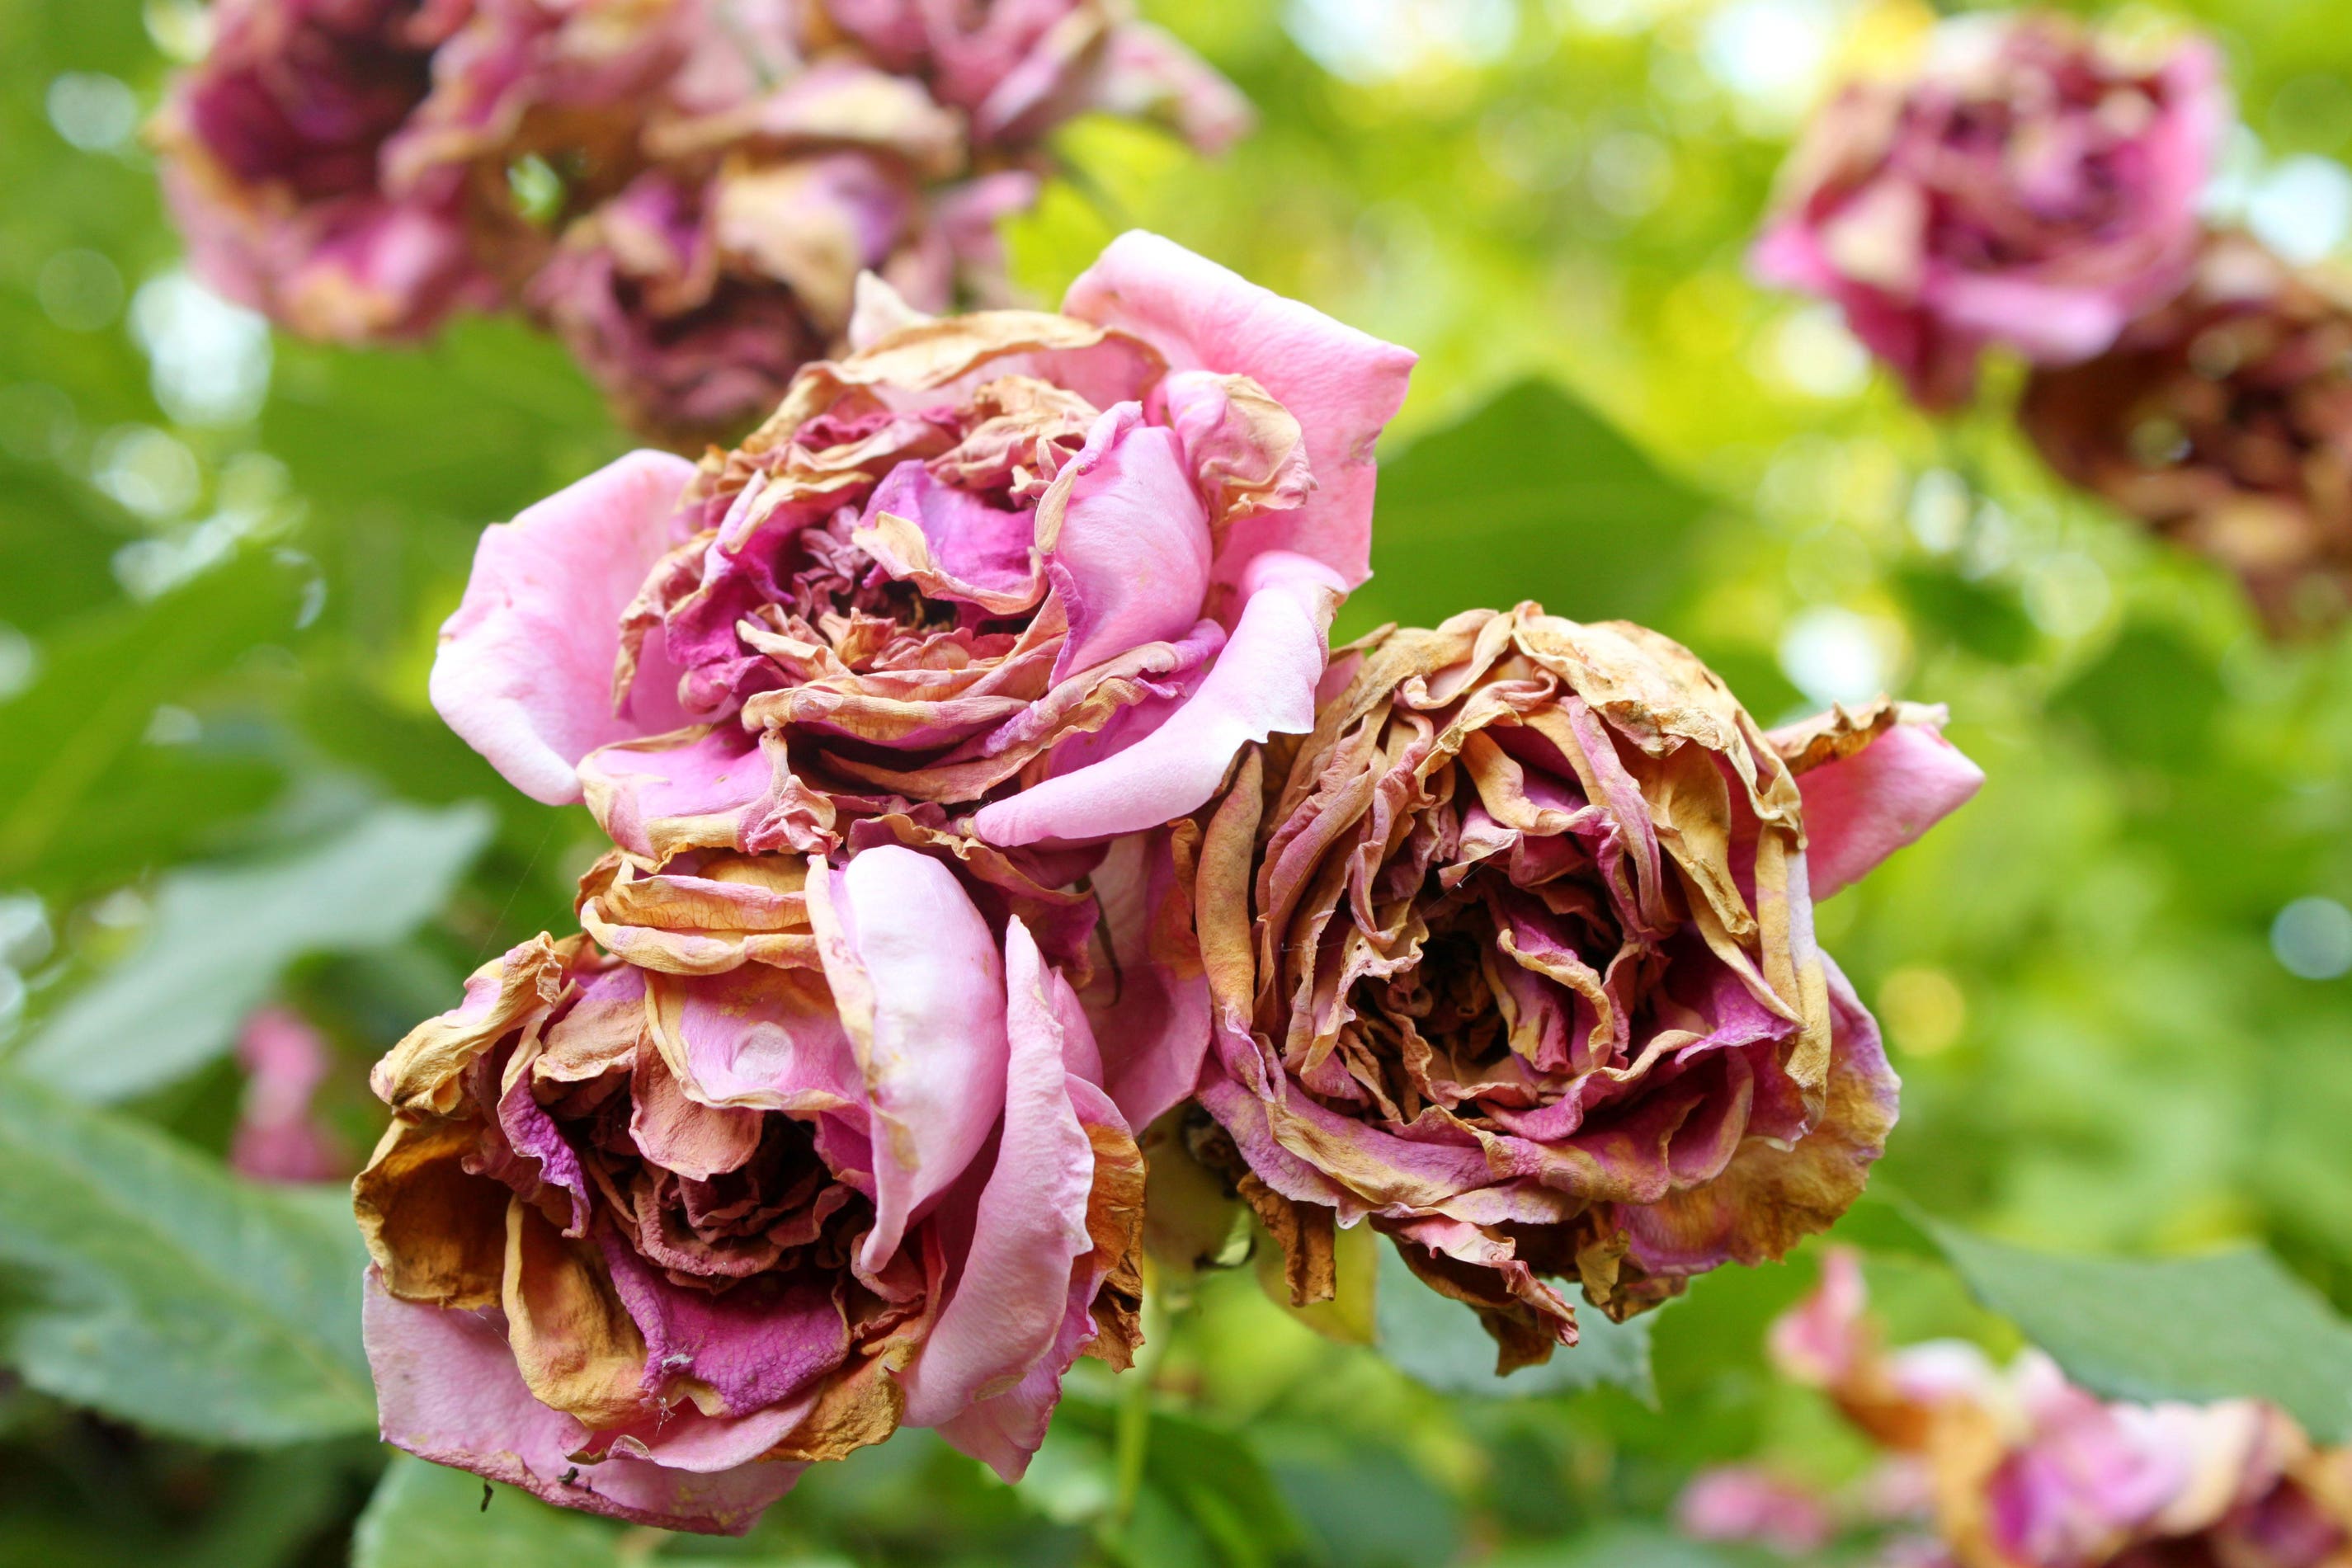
(278, 1138)
(1747, 1504)
(1019, 68)
(272, 162)
(2031, 185)
(2028, 1471)
(1057, 567)
(2224, 421)
(1533, 983)
(815, 1152)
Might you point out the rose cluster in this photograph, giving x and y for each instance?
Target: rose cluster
(684, 190)
(981, 792)
(2038, 186)
(2015, 1467)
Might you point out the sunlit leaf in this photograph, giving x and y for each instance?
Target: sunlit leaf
(222, 935)
(1534, 496)
(140, 1279)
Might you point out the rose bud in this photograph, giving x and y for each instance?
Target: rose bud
(2026, 1470)
(272, 155)
(1514, 957)
(2031, 185)
(814, 1153)
(2224, 421)
(1054, 568)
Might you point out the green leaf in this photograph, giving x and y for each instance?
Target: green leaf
(1440, 1343)
(140, 1280)
(428, 1516)
(2223, 1325)
(1536, 490)
(2150, 698)
(1627, 1546)
(102, 678)
(223, 935)
(1205, 1496)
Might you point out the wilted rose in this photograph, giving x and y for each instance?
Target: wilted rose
(2026, 1470)
(1751, 1505)
(1532, 982)
(1056, 567)
(807, 1153)
(2224, 421)
(273, 151)
(2031, 185)
(279, 1135)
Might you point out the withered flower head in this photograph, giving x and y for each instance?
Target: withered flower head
(2031, 184)
(1533, 985)
(806, 1152)
(2224, 421)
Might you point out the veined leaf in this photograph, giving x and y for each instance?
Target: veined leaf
(141, 1280)
(223, 934)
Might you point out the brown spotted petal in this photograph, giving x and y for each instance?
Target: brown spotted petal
(1516, 958)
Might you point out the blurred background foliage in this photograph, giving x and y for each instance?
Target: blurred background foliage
(2114, 985)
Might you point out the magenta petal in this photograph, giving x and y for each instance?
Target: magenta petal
(1263, 684)
(1132, 561)
(1862, 809)
(758, 1344)
(1008, 1303)
(525, 670)
(1341, 385)
(913, 967)
(448, 1391)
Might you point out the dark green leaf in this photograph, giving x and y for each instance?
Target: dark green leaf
(1982, 620)
(1536, 491)
(2151, 698)
(428, 1516)
(2223, 1325)
(139, 1278)
(223, 935)
(1627, 1546)
(1440, 1343)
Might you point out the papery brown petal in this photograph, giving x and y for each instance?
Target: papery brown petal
(1115, 1210)
(1304, 1232)
(1523, 1336)
(420, 1076)
(436, 1231)
(574, 1343)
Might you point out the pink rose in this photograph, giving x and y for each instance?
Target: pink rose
(1515, 958)
(2029, 185)
(1052, 569)
(1751, 1506)
(2028, 1471)
(272, 149)
(1019, 68)
(278, 1135)
(819, 1151)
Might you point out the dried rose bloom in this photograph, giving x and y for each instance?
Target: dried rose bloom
(2224, 421)
(2028, 1471)
(2031, 185)
(1052, 569)
(808, 1153)
(273, 153)
(1745, 1503)
(1532, 984)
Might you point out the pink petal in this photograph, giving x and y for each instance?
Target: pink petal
(1131, 559)
(1863, 808)
(1263, 684)
(1151, 1008)
(922, 988)
(448, 1391)
(1342, 385)
(1008, 1304)
(525, 670)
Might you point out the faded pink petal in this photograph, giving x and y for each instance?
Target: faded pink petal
(1751, 1506)
(525, 670)
(448, 1390)
(1010, 1298)
(1132, 561)
(1263, 684)
(1342, 385)
(921, 988)
(277, 1136)
(1860, 809)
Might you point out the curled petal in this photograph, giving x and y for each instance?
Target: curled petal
(525, 670)
(1873, 781)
